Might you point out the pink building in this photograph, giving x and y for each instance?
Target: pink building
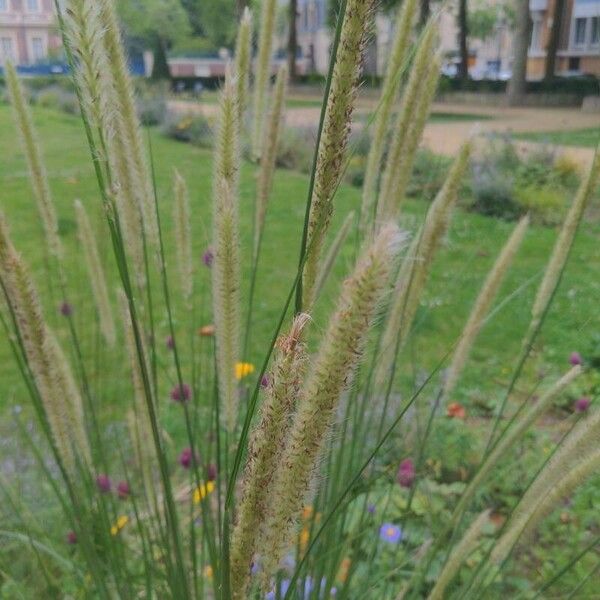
(27, 31)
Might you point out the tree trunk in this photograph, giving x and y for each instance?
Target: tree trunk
(553, 41)
(292, 39)
(424, 13)
(160, 69)
(517, 84)
(463, 32)
(240, 6)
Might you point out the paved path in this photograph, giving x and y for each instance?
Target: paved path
(446, 137)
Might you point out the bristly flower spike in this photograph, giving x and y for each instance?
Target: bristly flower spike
(269, 154)
(391, 84)
(262, 73)
(339, 355)
(87, 241)
(183, 236)
(226, 246)
(37, 170)
(266, 444)
(334, 138)
(243, 62)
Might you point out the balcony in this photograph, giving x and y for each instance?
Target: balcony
(15, 19)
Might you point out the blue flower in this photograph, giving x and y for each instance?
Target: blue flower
(390, 533)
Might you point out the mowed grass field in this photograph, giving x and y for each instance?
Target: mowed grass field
(588, 138)
(468, 252)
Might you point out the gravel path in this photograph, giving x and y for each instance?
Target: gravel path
(446, 137)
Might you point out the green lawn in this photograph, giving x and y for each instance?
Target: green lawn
(575, 137)
(470, 249)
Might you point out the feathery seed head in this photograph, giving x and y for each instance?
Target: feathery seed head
(243, 60)
(183, 236)
(334, 138)
(331, 374)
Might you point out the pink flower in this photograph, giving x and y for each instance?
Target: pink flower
(208, 258)
(181, 393)
(265, 381)
(123, 490)
(575, 359)
(406, 473)
(186, 458)
(170, 343)
(104, 484)
(66, 310)
(582, 404)
(211, 472)
(71, 538)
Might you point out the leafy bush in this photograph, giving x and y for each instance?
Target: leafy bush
(428, 175)
(151, 102)
(57, 98)
(193, 129)
(296, 149)
(546, 205)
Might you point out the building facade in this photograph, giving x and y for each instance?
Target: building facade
(28, 32)
(579, 40)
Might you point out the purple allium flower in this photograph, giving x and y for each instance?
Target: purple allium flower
(406, 473)
(170, 343)
(186, 458)
(265, 381)
(181, 393)
(371, 509)
(104, 484)
(575, 359)
(582, 404)
(211, 472)
(208, 258)
(390, 533)
(66, 309)
(71, 538)
(123, 490)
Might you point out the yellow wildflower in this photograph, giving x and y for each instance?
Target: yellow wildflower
(243, 369)
(203, 490)
(304, 537)
(208, 571)
(121, 522)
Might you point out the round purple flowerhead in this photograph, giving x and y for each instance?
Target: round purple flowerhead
(71, 538)
(211, 472)
(170, 343)
(186, 458)
(582, 404)
(265, 382)
(406, 473)
(575, 359)
(181, 393)
(208, 258)
(390, 533)
(123, 490)
(103, 483)
(66, 309)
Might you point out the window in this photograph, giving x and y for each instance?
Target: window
(33, 5)
(579, 32)
(37, 49)
(6, 47)
(536, 35)
(595, 35)
(574, 63)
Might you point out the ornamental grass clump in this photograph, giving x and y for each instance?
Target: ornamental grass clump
(197, 441)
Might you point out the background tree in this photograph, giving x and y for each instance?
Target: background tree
(463, 34)
(292, 47)
(215, 20)
(552, 48)
(157, 24)
(518, 82)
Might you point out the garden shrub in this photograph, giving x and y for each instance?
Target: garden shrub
(194, 129)
(546, 205)
(296, 149)
(151, 101)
